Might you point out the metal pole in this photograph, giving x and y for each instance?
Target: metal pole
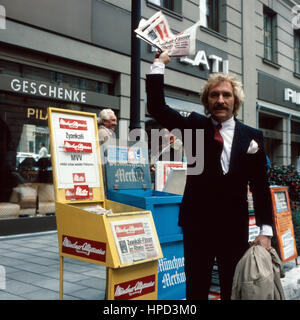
(135, 86)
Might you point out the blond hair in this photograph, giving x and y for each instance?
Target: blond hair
(237, 86)
(105, 114)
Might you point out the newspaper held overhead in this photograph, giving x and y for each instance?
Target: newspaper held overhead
(157, 33)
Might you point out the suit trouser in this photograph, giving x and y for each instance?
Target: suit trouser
(199, 261)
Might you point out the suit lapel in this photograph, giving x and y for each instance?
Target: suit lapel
(239, 147)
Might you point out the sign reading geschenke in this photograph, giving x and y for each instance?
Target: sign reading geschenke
(62, 92)
(76, 156)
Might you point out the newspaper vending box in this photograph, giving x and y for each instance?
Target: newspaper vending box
(128, 181)
(91, 228)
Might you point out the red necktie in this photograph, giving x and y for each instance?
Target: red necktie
(218, 138)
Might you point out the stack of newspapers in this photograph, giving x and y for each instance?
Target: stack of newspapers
(98, 210)
(157, 33)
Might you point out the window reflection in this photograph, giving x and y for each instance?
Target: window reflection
(25, 155)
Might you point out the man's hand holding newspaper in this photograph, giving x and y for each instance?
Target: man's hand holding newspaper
(157, 33)
(162, 57)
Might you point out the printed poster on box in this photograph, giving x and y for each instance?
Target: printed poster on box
(162, 171)
(135, 240)
(283, 223)
(77, 166)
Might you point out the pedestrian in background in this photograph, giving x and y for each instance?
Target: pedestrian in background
(108, 123)
(43, 152)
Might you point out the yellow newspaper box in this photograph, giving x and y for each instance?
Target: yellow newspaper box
(91, 228)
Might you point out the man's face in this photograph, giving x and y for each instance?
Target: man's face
(111, 123)
(221, 101)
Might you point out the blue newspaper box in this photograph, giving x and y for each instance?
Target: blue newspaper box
(128, 181)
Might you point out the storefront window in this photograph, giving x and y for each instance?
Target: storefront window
(79, 83)
(272, 127)
(33, 73)
(56, 78)
(26, 187)
(25, 155)
(295, 143)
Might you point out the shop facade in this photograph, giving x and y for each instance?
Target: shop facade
(78, 57)
(271, 75)
(28, 86)
(49, 60)
(279, 119)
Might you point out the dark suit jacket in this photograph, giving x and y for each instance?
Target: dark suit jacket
(211, 198)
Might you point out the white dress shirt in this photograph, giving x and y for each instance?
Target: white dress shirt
(43, 153)
(227, 133)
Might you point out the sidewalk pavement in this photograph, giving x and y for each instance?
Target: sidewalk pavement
(31, 265)
(291, 281)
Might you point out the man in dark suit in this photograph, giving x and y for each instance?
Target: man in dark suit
(214, 209)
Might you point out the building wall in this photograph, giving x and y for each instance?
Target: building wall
(91, 39)
(69, 17)
(270, 94)
(85, 41)
(249, 54)
(84, 32)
